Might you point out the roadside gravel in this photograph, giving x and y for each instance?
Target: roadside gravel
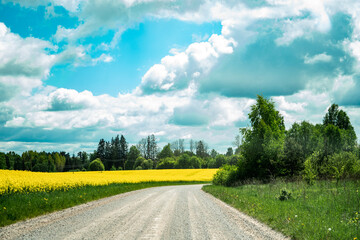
(170, 212)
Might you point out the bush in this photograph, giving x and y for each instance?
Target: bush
(220, 160)
(138, 162)
(342, 165)
(147, 164)
(96, 165)
(226, 176)
(167, 163)
(113, 168)
(195, 162)
(284, 195)
(183, 162)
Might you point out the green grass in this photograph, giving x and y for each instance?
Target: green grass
(325, 210)
(16, 207)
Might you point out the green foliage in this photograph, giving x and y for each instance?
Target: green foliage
(147, 164)
(195, 162)
(342, 165)
(113, 168)
(96, 165)
(332, 139)
(211, 163)
(309, 174)
(138, 162)
(3, 161)
(339, 134)
(263, 142)
(201, 149)
(233, 160)
(133, 154)
(213, 153)
(59, 162)
(301, 141)
(226, 175)
(166, 152)
(219, 161)
(113, 152)
(293, 161)
(337, 166)
(166, 163)
(229, 152)
(148, 147)
(183, 162)
(284, 195)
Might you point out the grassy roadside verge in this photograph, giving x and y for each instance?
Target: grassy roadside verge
(16, 207)
(326, 210)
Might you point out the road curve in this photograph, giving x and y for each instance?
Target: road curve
(171, 212)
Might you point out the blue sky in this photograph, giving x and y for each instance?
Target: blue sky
(75, 71)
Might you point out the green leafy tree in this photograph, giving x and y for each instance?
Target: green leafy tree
(10, 160)
(183, 162)
(220, 160)
(293, 157)
(108, 154)
(301, 141)
(213, 153)
(138, 162)
(166, 163)
(343, 139)
(263, 142)
(123, 151)
(59, 162)
(28, 158)
(100, 152)
(233, 160)
(133, 154)
(332, 139)
(115, 152)
(166, 152)
(201, 149)
(195, 162)
(15, 161)
(147, 164)
(229, 152)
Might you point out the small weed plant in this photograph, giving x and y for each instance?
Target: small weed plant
(284, 195)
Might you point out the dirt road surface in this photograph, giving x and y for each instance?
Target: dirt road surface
(171, 212)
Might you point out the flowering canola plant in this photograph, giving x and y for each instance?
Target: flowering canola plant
(12, 181)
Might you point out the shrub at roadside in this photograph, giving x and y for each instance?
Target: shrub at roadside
(225, 176)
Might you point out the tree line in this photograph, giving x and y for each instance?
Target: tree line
(115, 154)
(313, 151)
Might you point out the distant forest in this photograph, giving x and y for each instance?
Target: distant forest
(116, 155)
(263, 150)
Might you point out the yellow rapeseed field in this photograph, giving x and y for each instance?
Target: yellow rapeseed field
(12, 181)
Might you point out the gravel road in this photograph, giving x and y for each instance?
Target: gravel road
(171, 212)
